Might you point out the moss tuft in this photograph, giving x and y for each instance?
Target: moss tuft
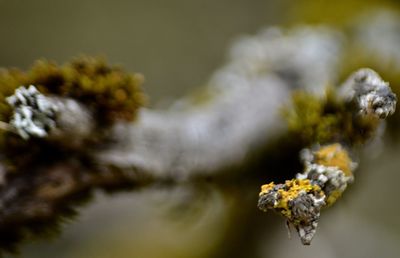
(108, 91)
(313, 119)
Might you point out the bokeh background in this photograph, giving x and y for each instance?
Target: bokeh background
(177, 44)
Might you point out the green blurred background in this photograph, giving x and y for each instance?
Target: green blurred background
(177, 44)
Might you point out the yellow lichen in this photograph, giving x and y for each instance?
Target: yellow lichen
(266, 188)
(291, 190)
(295, 186)
(334, 155)
(332, 198)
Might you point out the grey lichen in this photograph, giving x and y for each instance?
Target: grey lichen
(34, 115)
(330, 168)
(371, 94)
(330, 179)
(307, 209)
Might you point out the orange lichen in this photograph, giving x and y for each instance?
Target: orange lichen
(333, 197)
(266, 188)
(334, 155)
(288, 192)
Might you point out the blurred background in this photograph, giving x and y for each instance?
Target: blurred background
(177, 44)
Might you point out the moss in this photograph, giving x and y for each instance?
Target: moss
(341, 14)
(108, 91)
(312, 119)
(9, 80)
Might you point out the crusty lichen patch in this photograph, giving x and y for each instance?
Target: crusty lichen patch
(327, 172)
(288, 192)
(329, 167)
(299, 201)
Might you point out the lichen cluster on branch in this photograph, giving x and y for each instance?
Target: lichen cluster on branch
(326, 175)
(350, 117)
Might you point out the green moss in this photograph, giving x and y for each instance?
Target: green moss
(108, 91)
(9, 81)
(313, 119)
(49, 178)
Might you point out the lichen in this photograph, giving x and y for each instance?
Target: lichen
(330, 167)
(334, 155)
(34, 114)
(298, 200)
(327, 172)
(360, 57)
(44, 175)
(288, 192)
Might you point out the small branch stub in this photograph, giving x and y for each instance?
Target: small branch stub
(327, 174)
(371, 94)
(299, 201)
